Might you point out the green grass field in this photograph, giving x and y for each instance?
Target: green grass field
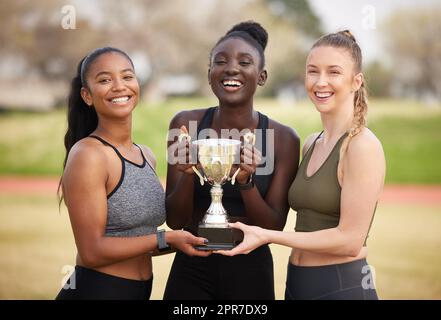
(32, 144)
(36, 244)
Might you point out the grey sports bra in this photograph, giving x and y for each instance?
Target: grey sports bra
(136, 206)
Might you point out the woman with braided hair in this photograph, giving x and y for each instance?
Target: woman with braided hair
(337, 185)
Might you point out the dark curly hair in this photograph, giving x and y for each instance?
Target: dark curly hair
(253, 33)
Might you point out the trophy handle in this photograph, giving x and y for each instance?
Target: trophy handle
(201, 178)
(233, 178)
(250, 138)
(181, 137)
(184, 135)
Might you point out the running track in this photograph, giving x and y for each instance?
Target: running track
(397, 194)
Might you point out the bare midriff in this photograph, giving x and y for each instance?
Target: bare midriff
(137, 268)
(310, 259)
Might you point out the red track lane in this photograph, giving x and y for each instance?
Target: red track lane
(396, 194)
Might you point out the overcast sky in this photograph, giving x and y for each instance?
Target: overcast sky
(357, 17)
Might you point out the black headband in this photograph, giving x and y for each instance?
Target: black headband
(83, 65)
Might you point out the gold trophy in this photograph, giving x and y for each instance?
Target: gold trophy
(216, 157)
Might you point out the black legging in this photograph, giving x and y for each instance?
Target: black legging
(218, 277)
(93, 285)
(347, 281)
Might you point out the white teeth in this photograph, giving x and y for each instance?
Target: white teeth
(323, 94)
(232, 83)
(120, 99)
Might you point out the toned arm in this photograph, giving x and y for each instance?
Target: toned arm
(84, 182)
(363, 179)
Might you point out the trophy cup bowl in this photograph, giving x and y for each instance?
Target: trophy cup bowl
(216, 157)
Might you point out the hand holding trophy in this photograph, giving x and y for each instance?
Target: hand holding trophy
(216, 158)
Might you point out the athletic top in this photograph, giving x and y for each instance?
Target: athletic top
(316, 198)
(136, 206)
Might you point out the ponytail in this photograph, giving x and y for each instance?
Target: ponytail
(82, 120)
(359, 122)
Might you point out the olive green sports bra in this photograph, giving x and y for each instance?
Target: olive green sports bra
(316, 198)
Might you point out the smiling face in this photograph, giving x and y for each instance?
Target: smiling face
(331, 78)
(235, 72)
(112, 87)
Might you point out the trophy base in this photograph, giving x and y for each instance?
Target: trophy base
(219, 238)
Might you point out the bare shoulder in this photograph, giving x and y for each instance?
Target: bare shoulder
(365, 151)
(87, 150)
(284, 132)
(364, 162)
(149, 155)
(183, 118)
(87, 158)
(309, 141)
(365, 145)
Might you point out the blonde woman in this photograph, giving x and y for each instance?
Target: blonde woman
(337, 185)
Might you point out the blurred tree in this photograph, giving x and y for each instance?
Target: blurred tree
(32, 31)
(173, 37)
(39, 56)
(413, 40)
(299, 13)
(378, 79)
(294, 26)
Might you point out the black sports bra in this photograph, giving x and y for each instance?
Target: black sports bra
(232, 200)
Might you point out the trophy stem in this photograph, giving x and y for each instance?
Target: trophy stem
(216, 214)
